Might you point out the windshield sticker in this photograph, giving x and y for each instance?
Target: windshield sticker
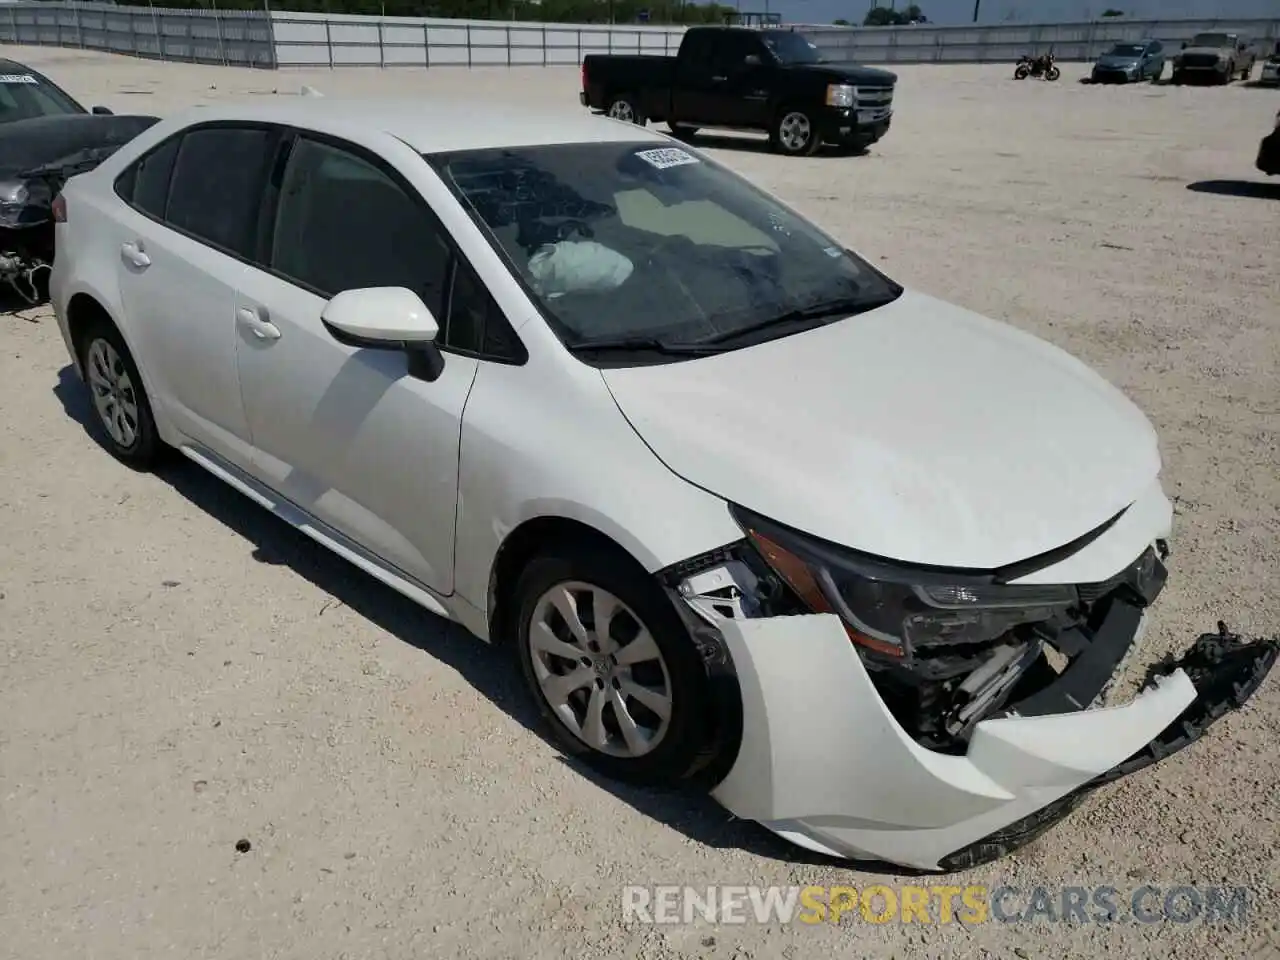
(17, 78)
(666, 157)
(833, 251)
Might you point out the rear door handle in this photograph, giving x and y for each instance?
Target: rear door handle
(255, 322)
(132, 252)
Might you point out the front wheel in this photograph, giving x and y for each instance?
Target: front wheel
(611, 666)
(1053, 73)
(1022, 72)
(795, 134)
(626, 109)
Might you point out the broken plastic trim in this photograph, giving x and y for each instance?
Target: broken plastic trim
(1226, 672)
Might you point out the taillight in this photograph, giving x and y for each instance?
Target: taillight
(59, 209)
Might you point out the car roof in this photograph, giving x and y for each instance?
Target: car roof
(428, 126)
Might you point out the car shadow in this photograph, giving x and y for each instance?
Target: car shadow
(1252, 189)
(748, 144)
(491, 670)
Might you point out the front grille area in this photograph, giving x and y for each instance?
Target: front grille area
(875, 98)
(1200, 61)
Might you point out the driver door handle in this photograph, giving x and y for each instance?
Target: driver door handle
(719, 79)
(134, 254)
(256, 322)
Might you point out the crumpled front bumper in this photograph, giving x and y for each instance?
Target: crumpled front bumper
(823, 764)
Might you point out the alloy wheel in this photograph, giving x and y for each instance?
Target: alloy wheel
(114, 396)
(622, 110)
(599, 669)
(795, 131)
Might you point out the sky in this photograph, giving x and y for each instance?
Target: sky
(1018, 11)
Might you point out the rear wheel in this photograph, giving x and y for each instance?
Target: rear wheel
(610, 665)
(120, 403)
(795, 134)
(625, 108)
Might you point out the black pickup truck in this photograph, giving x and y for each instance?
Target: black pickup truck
(773, 80)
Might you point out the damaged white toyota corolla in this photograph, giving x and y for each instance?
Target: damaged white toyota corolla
(750, 513)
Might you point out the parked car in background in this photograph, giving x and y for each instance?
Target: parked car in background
(1127, 62)
(1269, 151)
(1218, 57)
(45, 137)
(1271, 70)
(559, 379)
(770, 80)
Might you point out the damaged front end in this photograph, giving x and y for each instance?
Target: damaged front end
(936, 718)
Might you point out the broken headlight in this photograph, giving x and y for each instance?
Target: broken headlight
(895, 609)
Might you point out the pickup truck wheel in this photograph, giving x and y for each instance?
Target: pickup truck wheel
(795, 134)
(624, 108)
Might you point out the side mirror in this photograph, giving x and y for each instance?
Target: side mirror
(751, 60)
(386, 318)
(101, 111)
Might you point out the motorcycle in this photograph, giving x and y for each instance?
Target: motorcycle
(1041, 66)
(37, 156)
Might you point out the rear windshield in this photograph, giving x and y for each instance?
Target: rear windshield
(632, 240)
(24, 95)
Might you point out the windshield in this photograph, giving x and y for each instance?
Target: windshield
(1126, 50)
(24, 95)
(619, 241)
(790, 47)
(1210, 40)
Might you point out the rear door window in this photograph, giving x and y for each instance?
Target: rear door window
(145, 184)
(215, 192)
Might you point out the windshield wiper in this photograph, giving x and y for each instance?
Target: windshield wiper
(642, 345)
(839, 307)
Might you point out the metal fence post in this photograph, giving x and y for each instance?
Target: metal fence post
(328, 42)
(544, 44)
(578, 32)
(468, 45)
(508, 44)
(426, 45)
(222, 46)
(382, 53)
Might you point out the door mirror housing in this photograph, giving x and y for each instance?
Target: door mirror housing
(101, 111)
(387, 318)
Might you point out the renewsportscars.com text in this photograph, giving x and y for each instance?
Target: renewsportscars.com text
(936, 904)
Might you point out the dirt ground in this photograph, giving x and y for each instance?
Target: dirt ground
(179, 671)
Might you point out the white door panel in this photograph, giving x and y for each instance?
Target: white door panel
(348, 435)
(179, 298)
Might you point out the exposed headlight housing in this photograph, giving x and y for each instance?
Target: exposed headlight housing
(894, 609)
(841, 95)
(14, 197)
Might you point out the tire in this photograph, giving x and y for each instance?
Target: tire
(1177, 78)
(1244, 74)
(574, 577)
(682, 131)
(624, 107)
(787, 134)
(1022, 72)
(1053, 73)
(122, 410)
(1155, 77)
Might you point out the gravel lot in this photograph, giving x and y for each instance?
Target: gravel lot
(180, 671)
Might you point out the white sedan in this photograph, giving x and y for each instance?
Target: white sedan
(749, 513)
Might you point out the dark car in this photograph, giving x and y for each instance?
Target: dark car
(770, 80)
(1127, 62)
(1269, 151)
(45, 137)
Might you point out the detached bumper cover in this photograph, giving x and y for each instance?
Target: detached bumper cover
(823, 764)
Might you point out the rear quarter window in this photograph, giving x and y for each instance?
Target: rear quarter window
(215, 192)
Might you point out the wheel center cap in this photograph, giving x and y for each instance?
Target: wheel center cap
(602, 665)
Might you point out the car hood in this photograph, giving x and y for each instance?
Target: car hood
(1216, 51)
(39, 141)
(1118, 63)
(918, 431)
(854, 73)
